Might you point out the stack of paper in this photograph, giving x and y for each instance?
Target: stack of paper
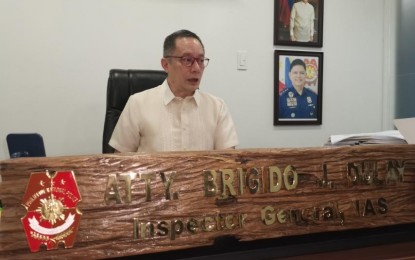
(404, 135)
(385, 137)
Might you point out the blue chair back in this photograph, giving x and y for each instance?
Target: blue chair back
(25, 145)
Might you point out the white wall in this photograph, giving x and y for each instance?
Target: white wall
(55, 56)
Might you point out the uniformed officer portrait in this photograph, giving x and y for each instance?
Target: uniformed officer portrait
(296, 101)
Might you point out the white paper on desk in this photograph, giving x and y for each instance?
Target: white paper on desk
(387, 134)
(407, 128)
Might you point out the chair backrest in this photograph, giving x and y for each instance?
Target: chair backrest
(25, 145)
(121, 85)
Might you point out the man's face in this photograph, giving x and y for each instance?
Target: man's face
(297, 76)
(183, 80)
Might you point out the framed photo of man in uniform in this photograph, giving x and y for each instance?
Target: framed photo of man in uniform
(298, 22)
(298, 90)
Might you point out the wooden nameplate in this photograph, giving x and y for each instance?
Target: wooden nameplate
(133, 204)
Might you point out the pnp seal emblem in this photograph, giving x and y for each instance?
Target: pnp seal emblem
(52, 217)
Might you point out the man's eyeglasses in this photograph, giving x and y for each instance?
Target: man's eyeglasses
(188, 61)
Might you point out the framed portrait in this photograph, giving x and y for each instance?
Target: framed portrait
(298, 90)
(298, 22)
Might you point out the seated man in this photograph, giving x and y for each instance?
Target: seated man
(176, 115)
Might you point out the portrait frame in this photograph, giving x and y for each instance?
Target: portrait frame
(282, 22)
(290, 108)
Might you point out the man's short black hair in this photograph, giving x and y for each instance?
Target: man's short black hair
(170, 41)
(297, 62)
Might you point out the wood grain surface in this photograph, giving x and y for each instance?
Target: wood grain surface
(324, 189)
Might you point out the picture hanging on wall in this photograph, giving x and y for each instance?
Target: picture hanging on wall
(298, 22)
(298, 91)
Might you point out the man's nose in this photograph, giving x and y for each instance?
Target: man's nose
(195, 66)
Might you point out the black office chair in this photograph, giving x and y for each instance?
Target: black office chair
(25, 145)
(121, 85)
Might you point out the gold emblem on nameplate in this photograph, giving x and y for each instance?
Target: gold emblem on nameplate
(52, 217)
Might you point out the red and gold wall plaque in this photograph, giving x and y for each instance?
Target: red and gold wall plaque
(52, 217)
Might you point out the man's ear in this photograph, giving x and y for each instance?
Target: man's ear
(165, 64)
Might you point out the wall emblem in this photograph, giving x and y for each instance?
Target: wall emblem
(311, 71)
(52, 217)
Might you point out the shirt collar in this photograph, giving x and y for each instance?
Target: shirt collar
(168, 95)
